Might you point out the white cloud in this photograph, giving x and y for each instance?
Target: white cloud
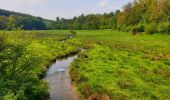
(103, 3)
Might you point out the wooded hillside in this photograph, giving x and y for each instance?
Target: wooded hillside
(12, 20)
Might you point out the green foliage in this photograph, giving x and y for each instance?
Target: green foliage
(164, 27)
(23, 59)
(16, 21)
(140, 12)
(3, 22)
(136, 15)
(140, 28)
(85, 22)
(151, 28)
(73, 32)
(12, 20)
(9, 96)
(11, 25)
(116, 65)
(127, 29)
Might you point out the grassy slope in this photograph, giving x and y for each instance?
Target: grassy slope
(121, 66)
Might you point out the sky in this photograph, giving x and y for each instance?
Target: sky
(50, 9)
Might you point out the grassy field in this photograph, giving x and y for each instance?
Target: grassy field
(120, 66)
(115, 65)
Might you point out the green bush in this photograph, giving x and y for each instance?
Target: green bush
(127, 29)
(140, 28)
(151, 28)
(9, 96)
(164, 27)
(122, 28)
(137, 28)
(73, 32)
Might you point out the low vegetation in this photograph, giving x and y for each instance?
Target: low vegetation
(115, 64)
(121, 66)
(23, 59)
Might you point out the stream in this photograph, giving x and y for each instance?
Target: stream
(58, 78)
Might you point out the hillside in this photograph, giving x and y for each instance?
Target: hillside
(10, 20)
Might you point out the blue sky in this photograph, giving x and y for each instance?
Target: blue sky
(50, 9)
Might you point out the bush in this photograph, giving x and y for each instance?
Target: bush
(127, 29)
(9, 96)
(137, 28)
(164, 27)
(140, 28)
(151, 28)
(73, 32)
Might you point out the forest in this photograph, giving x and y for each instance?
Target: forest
(140, 16)
(121, 55)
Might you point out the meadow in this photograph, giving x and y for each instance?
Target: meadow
(115, 65)
(120, 66)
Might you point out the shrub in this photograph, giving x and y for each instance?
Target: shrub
(73, 32)
(164, 27)
(127, 29)
(122, 28)
(140, 28)
(137, 28)
(9, 96)
(134, 31)
(151, 28)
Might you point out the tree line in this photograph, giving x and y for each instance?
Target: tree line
(87, 22)
(148, 16)
(12, 21)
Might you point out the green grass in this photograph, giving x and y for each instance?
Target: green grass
(121, 66)
(115, 65)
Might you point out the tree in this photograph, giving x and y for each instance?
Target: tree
(11, 23)
(57, 19)
(142, 13)
(3, 22)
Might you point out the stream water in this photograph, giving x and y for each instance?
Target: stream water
(58, 78)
